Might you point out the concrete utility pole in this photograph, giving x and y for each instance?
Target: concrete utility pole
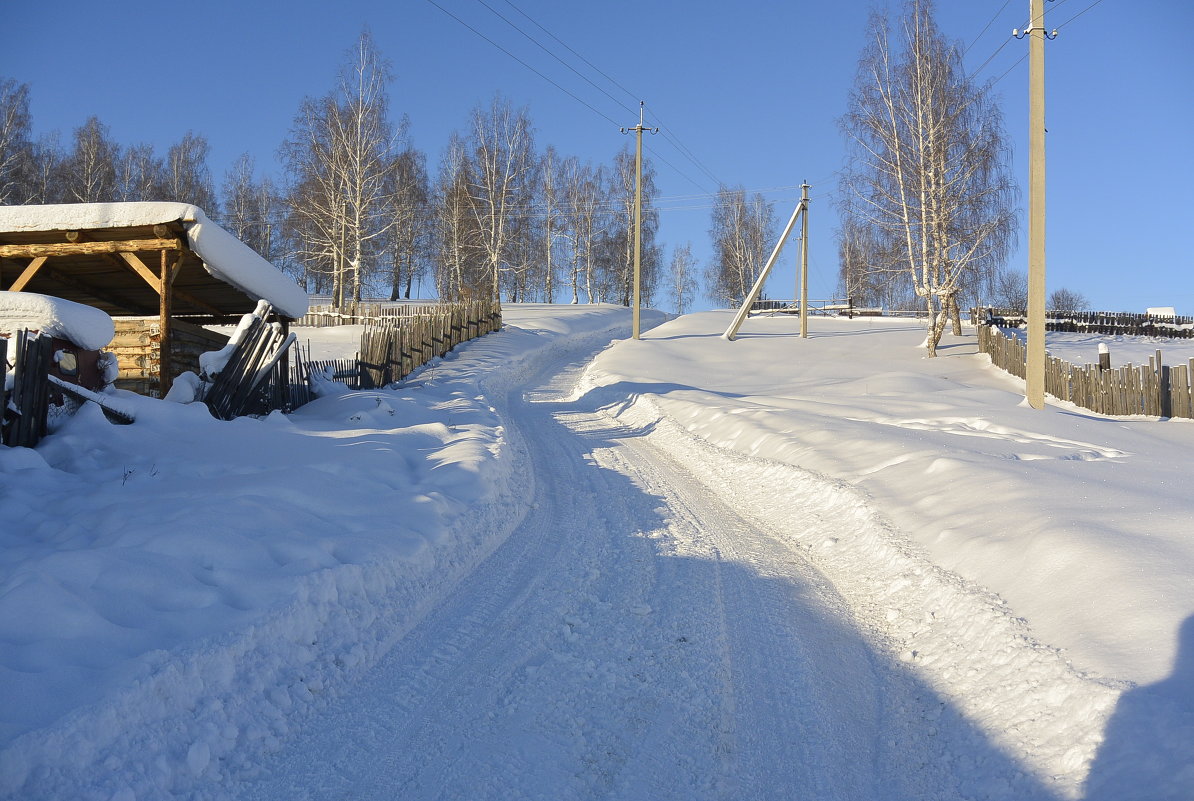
(638, 213)
(1034, 375)
(744, 311)
(804, 261)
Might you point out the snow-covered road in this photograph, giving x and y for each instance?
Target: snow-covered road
(638, 636)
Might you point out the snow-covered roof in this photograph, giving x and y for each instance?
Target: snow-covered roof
(220, 254)
(85, 326)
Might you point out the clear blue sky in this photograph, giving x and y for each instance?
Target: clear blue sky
(752, 90)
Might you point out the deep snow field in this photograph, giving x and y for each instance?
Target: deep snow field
(175, 594)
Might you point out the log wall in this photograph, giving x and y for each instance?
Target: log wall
(137, 346)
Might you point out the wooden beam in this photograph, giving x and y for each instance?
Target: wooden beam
(138, 266)
(87, 248)
(27, 275)
(116, 300)
(175, 268)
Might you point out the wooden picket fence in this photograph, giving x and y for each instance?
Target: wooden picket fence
(363, 313)
(1155, 389)
(393, 349)
(395, 345)
(1092, 322)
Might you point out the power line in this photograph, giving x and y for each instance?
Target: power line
(684, 150)
(1021, 59)
(573, 52)
(536, 42)
(523, 63)
(1080, 13)
(985, 27)
(670, 137)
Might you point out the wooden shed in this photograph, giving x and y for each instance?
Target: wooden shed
(161, 270)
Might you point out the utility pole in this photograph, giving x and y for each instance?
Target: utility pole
(1034, 368)
(804, 261)
(638, 213)
(744, 310)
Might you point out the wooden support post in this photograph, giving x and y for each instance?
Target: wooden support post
(165, 360)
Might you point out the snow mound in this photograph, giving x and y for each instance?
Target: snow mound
(87, 327)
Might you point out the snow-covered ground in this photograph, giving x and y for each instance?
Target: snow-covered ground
(689, 568)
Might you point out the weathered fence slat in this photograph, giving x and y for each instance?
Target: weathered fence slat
(3, 384)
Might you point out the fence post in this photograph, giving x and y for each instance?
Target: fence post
(3, 378)
(1104, 357)
(1166, 405)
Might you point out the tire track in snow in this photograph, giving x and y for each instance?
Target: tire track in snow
(635, 637)
(959, 643)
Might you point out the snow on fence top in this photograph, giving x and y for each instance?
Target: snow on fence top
(85, 326)
(224, 256)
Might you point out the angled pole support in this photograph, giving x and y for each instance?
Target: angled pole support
(732, 332)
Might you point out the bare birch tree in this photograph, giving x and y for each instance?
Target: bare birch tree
(459, 265)
(248, 208)
(186, 177)
(928, 172)
(683, 286)
(409, 239)
(338, 156)
(501, 148)
(139, 174)
(549, 189)
(742, 234)
(40, 173)
(623, 228)
(15, 144)
(585, 220)
(88, 172)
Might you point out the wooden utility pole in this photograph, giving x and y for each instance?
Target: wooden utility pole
(1034, 375)
(638, 214)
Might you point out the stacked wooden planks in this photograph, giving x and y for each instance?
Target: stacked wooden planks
(31, 391)
(137, 346)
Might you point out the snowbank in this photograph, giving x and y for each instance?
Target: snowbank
(1033, 568)
(1080, 522)
(175, 592)
(223, 255)
(87, 327)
